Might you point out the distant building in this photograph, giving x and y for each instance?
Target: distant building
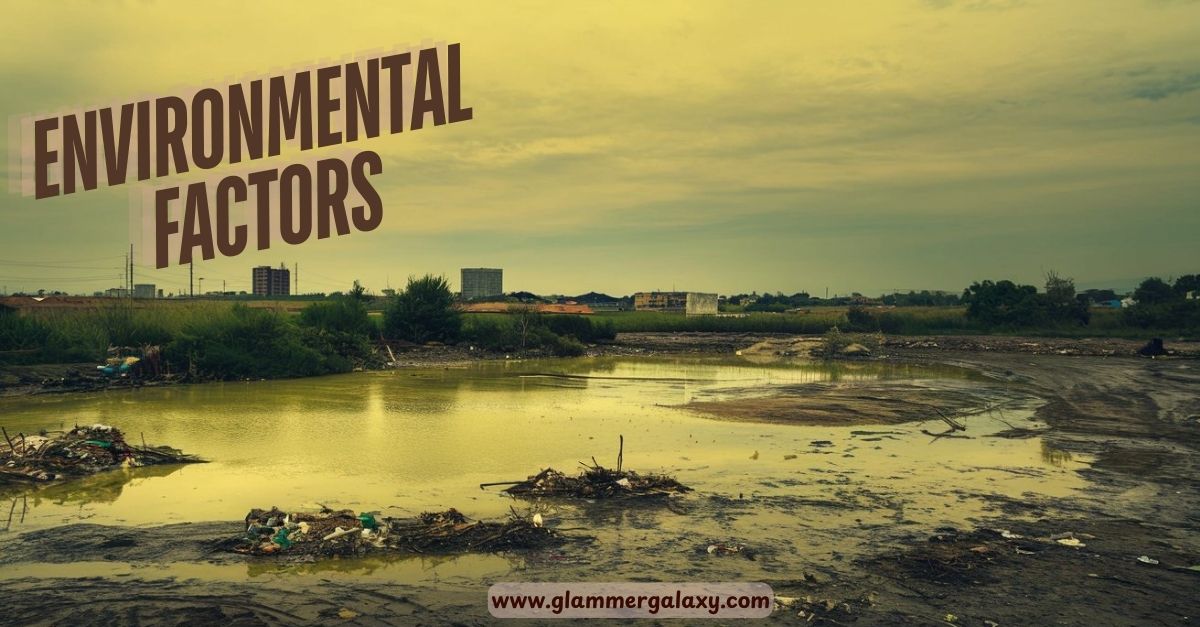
(691, 303)
(268, 281)
(116, 292)
(144, 290)
(482, 283)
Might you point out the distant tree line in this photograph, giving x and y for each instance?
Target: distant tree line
(1159, 304)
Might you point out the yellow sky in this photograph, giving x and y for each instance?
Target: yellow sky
(709, 146)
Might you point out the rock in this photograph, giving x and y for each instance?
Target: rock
(856, 350)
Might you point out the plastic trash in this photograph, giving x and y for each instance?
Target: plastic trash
(1072, 542)
(337, 533)
(1148, 560)
(281, 538)
(368, 521)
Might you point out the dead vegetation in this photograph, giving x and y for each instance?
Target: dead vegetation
(595, 482)
(79, 452)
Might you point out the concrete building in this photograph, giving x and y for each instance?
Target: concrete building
(482, 283)
(268, 281)
(701, 304)
(144, 290)
(116, 292)
(691, 303)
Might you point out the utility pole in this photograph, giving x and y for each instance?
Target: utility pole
(297, 288)
(191, 273)
(131, 276)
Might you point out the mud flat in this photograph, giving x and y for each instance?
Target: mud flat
(873, 403)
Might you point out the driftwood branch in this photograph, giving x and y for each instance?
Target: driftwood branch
(954, 424)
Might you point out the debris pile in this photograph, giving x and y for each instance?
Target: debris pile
(76, 453)
(342, 533)
(597, 482)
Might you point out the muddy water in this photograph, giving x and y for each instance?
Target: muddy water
(415, 440)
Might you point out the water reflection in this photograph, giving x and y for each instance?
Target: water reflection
(1055, 456)
(408, 441)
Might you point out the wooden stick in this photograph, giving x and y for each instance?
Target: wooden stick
(496, 483)
(7, 439)
(144, 447)
(621, 453)
(954, 425)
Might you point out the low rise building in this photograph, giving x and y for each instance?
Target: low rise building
(691, 303)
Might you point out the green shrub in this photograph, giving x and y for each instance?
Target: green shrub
(342, 314)
(423, 312)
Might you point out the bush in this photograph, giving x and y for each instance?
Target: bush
(565, 346)
(342, 314)
(423, 312)
(247, 343)
(491, 332)
(1183, 315)
(581, 328)
(859, 319)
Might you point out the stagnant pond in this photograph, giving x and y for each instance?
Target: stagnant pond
(408, 441)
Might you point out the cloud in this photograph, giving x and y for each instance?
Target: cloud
(1176, 84)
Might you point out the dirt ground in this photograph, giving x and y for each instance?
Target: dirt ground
(1104, 558)
(1140, 418)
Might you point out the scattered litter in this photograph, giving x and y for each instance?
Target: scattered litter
(1008, 535)
(784, 603)
(329, 533)
(1147, 560)
(1072, 542)
(347, 614)
(722, 549)
(79, 452)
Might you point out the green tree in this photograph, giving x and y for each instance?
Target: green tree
(1060, 302)
(1153, 291)
(1002, 302)
(423, 312)
(1187, 283)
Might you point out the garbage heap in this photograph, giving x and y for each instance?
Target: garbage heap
(344, 533)
(598, 482)
(76, 453)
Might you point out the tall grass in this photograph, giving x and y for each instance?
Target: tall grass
(212, 340)
(897, 321)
